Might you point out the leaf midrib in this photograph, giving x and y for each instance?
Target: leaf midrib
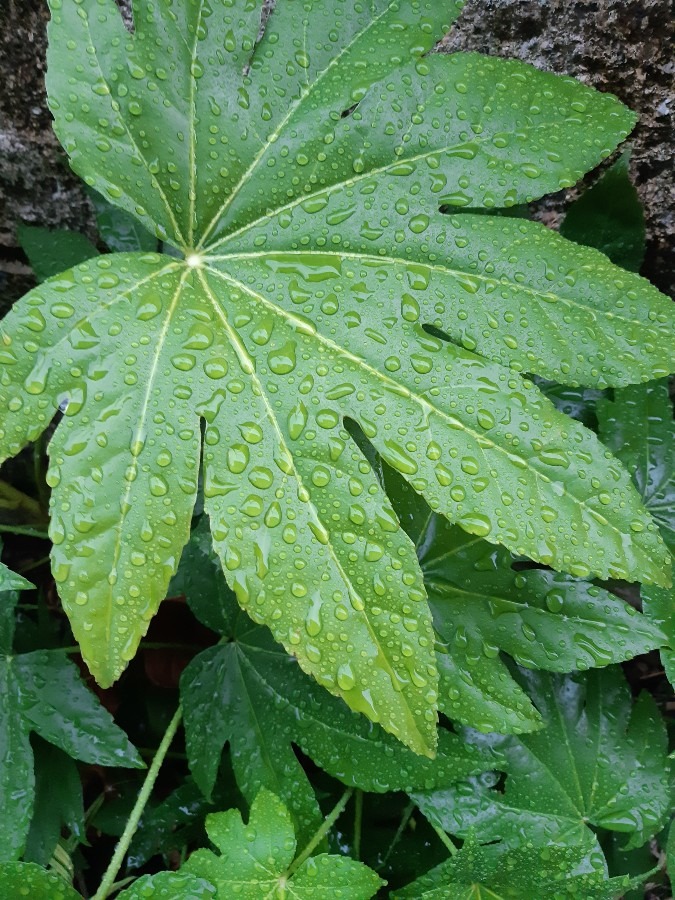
(238, 348)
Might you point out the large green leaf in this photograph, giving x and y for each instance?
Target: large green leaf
(42, 692)
(250, 694)
(494, 873)
(483, 605)
(50, 252)
(598, 762)
(301, 178)
(254, 859)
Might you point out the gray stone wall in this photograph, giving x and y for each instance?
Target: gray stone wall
(622, 46)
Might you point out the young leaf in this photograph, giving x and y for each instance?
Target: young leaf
(42, 692)
(50, 252)
(597, 762)
(302, 180)
(254, 859)
(637, 425)
(609, 216)
(501, 873)
(169, 886)
(226, 688)
(482, 605)
(20, 879)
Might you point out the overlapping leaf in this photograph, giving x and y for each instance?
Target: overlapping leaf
(254, 859)
(42, 692)
(30, 880)
(250, 694)
(598, 762)
(498, 873)
(483, 605)
(637, 425)
(301, 176)
(58, 802)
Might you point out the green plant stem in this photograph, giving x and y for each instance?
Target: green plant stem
(443, 837)
(136, 813)
(405, 818)
(24, 529)
(321, 832)
(358, 820)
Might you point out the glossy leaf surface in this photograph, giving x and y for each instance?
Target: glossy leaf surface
(11, 581)
(42, 692)
(597, 762)
(314, 253)
(497, 873)
(169, 886)
(483, 606)
(250, 694)
(253, 859)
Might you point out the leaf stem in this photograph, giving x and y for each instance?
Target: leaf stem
(136, 813)
(358, 821)
(443, 837)
(320, 834)
(24, 529)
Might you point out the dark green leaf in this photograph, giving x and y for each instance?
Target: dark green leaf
(58, 802)
(499, 873)
(637, 425)
(658, 605)
(609, 216)
(253, 859)
(10, 581)
(50, 252)
(251, 694)
(482, 605)
(121, 231)
(598, 762)
(30, 880)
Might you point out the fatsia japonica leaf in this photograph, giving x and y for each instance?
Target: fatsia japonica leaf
(499, 873)
(482, 605)
(658, 605)
(250, 694)
(254, 859)
(599, 761)
(42, 692)
(301, 176)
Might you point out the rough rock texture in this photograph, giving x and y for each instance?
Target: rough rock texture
(623, 46)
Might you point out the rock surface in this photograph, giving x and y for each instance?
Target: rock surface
(622, 46)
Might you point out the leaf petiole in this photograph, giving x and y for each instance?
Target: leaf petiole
(136, 813)
(320, 833)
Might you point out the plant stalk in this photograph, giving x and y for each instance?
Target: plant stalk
(136, 813)
(321, 832)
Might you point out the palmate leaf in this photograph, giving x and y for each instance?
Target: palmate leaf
(42, 692)
(498, 874)
(482, 605)
(250, 694)
(314, 253)
(254, 859)
(598, 762)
